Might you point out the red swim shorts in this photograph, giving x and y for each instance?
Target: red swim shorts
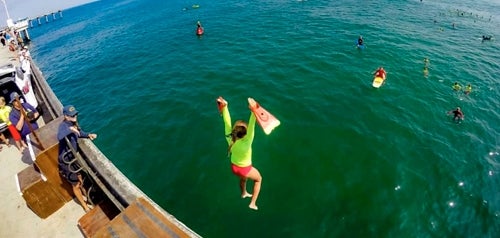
(241, 171)
(15, 134)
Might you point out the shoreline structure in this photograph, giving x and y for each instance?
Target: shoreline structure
(21, 214)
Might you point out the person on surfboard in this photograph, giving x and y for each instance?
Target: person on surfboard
(380, 72)
(199, 29)
(360, 41)
(239, 138)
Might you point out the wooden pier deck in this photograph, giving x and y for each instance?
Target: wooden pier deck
(33, 213)
(17, 220)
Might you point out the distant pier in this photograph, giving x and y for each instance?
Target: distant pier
(43, 19)
(21, 26)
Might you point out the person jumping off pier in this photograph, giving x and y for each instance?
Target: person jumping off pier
(239, 138)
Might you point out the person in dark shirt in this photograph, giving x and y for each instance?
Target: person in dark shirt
(23, 115)
(69, 129)
(360, 41)
(486, 38)
(457, 114)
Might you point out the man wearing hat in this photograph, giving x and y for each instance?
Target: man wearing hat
(70, 129)
(18, 113)
(4, 116)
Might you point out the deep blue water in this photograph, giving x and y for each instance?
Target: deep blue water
(348, 160)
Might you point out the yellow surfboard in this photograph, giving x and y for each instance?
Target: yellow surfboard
(377, 82)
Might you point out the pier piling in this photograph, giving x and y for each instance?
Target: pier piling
(47, 20)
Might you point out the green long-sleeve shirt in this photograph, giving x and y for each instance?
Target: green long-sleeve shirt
(241, 151)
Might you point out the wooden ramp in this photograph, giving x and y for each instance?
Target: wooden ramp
(39, 195)
(140, 219)
(44, 195)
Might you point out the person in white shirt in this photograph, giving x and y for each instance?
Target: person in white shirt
(23, 79)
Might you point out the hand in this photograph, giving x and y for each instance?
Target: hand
(221, 103)
(92, 136)
(30, 115)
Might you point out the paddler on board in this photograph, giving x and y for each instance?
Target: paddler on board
(360, 42)
(199, 29)
(380, 72)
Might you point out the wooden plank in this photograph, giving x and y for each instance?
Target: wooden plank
(47, 162)
(160, 219)
(97, 218)
(140, 219)
(39, 195)
(27, 177)
(47, 135)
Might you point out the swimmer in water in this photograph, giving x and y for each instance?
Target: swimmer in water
(457, 114)
(486, 38)
(360, 41)
(468, 89)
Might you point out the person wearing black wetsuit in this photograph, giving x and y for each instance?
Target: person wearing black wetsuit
(360, 41)
(486, 38)
(457, 114)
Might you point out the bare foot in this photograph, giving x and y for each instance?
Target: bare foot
(253, 206)
(246, 195)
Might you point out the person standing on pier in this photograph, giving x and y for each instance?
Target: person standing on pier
(20, 41)
(22, 114)
(23, 80)
(3, 40)
(12, 46)
(70, 129)
(4, 116)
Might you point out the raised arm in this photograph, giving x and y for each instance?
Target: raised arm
(251, 121)
(226, 117)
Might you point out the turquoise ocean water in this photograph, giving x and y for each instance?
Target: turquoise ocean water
(348, 160)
